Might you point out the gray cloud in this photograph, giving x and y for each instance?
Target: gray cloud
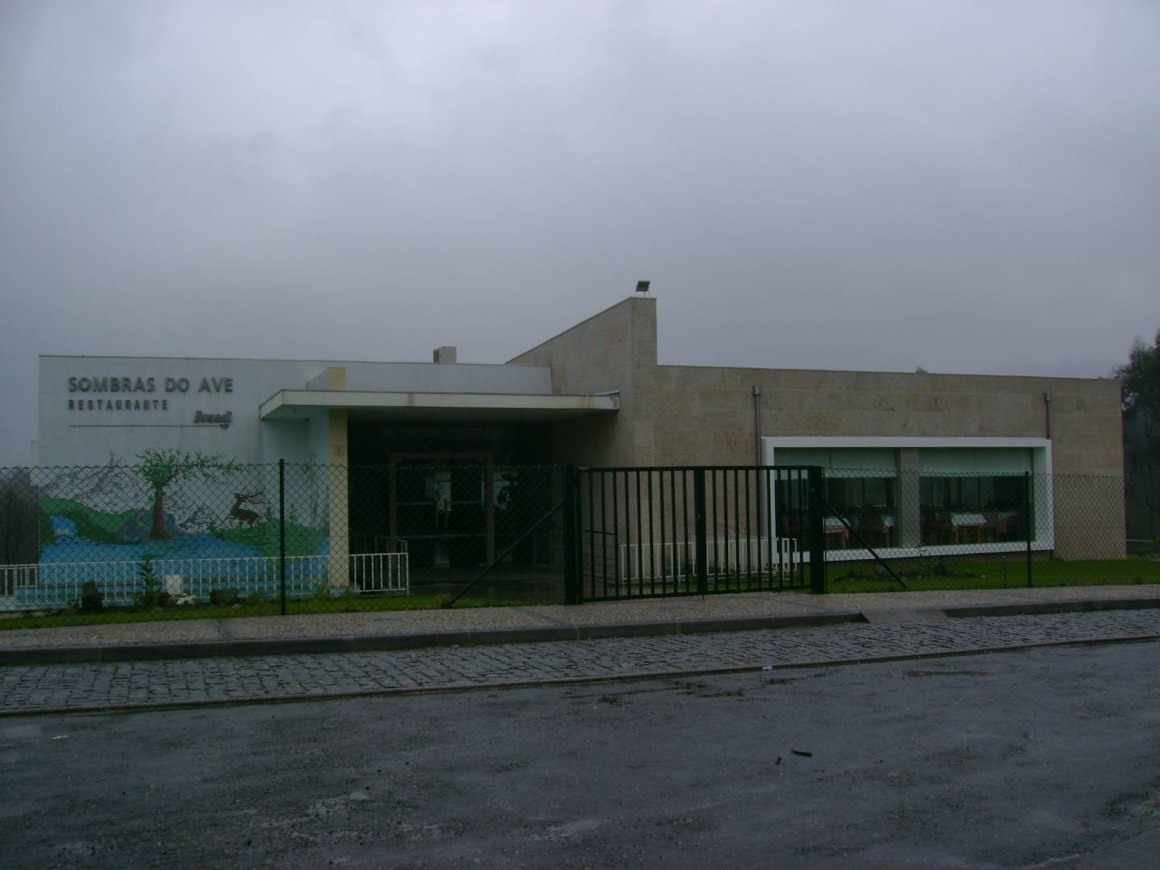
(968, 186)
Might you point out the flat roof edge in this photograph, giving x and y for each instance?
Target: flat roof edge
(337, 400)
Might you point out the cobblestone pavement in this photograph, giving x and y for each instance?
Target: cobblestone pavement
(42, 688)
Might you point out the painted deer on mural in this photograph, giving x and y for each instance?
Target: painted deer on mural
(242, 515)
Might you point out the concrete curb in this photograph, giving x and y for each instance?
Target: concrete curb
(385, 643)
(484, 637)
(1029, 609)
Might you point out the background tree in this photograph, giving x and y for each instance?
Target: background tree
(1140, 379)
(19, 523)
(1140, 389)
(160, 468)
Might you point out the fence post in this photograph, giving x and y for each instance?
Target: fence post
(1027, 522)
(700, 537)
(572, 590)
(282, 533)
(817, 530)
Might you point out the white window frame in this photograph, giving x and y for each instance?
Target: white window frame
(1041, 465)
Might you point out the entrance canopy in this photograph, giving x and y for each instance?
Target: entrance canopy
(427, 407)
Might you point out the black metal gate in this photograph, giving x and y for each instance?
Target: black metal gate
(693, 530)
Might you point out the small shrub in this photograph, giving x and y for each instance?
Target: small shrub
(92, 598)
(349, 600)
(152, 595)
(224, 597)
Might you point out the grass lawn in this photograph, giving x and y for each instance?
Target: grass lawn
(352, 604)
(1010, 573)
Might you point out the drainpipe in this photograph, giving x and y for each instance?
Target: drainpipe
(1047, 413)
(757, 424)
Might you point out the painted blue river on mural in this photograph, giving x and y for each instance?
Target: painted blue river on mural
(194, 563)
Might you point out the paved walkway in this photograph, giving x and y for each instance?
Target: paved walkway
(339, 632)
(276, 658)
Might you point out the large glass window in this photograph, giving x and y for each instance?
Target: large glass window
(924, 491)
(972, 495)
(971, 509)
(861, 488)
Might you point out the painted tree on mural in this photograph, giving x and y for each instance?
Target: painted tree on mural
(160, 468)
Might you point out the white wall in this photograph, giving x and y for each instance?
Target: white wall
(211, 405)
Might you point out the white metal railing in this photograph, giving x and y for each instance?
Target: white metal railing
(60, 585)
(380, 572)
(13, 577)
(675, 560)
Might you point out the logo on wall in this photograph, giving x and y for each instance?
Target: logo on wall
(201, 418)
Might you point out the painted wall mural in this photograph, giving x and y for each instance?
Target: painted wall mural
(192, 516)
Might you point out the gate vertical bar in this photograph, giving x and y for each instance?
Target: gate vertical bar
(639, 537)
(628, 527)
(652, 546)
(616, 576)
(736, 523)
(699, 529)
(572, 544)
(588, 476)
(689, 558)
(750, 476)
(660, 478)
(711, 491)
(673, 523)
(282, 533)
(603, 541)
(765, 568)
(817, 531)
(1027, 525)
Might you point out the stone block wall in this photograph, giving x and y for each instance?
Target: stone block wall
(698, 415)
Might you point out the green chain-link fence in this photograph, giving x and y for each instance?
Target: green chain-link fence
(964, 531)
(185, 535)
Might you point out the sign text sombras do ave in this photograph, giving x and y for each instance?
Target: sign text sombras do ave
(138, 393)
(148, 385)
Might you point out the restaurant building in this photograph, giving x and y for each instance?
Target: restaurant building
(923, 460)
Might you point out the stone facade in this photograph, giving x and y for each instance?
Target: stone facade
(678, 415)
(699, 415)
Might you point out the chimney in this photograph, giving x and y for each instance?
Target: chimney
(444, 354)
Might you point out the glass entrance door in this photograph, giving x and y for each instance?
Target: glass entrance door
(439, 509)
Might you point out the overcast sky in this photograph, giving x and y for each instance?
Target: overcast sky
(967, 186)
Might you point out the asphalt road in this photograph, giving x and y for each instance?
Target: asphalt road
(1046, 757)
